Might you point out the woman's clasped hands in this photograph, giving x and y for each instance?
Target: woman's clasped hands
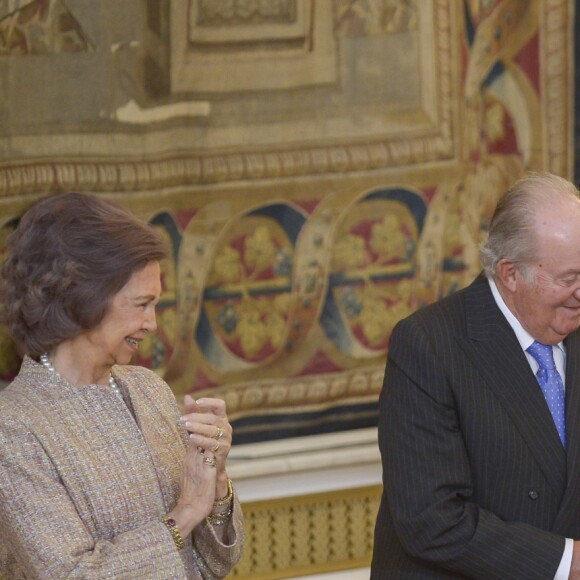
(210, 439)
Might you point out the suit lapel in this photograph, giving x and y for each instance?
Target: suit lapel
(495, 351)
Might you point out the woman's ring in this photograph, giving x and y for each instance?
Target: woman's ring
(219, 433)
(215, 449)
(210, 461)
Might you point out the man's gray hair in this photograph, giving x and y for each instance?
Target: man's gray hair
(512, 232)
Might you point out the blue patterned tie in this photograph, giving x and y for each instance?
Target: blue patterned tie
(551, 385)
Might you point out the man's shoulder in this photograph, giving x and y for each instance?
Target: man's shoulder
(456, 300)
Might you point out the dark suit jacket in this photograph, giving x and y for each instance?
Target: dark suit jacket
(476, 481)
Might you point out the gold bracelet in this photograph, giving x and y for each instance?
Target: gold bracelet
(219, 519)
(174, 531)
(226, 500)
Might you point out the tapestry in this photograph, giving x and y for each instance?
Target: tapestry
(319, 170)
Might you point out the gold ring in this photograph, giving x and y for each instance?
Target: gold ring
(210, 461)
(215, 449)
(219, 433)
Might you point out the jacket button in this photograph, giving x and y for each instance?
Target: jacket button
(533, 494)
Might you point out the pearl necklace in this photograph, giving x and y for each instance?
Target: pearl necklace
(112, 382)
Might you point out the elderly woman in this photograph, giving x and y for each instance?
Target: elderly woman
(99, 475)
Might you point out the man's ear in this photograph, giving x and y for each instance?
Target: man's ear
(506, 273)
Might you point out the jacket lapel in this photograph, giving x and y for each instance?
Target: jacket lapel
(157, 416)
(495, 351)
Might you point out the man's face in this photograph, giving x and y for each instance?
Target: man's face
(546, 297)
(549, 306)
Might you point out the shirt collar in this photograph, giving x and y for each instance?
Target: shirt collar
(524, 337)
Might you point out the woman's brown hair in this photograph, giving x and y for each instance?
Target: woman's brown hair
(68, 256)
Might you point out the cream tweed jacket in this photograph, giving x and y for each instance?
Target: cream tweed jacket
(85, 478)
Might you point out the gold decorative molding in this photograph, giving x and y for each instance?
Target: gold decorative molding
(308, 534)
(307, 393)
(151, 174)
(247, 46)
(247, 20)
(557, 66)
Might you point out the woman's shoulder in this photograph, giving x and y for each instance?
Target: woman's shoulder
(21, 402)
(146, 388)
(141, 378)
(136, 372)
(27, 388)
(133, 371)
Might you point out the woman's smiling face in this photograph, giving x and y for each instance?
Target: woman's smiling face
(129, 317)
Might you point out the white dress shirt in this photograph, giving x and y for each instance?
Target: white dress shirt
(526, 339)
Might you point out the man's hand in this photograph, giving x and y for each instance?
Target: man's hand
(575, 568)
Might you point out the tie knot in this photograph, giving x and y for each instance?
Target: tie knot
(543, 354)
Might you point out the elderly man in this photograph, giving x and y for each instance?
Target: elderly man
(480, 409)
